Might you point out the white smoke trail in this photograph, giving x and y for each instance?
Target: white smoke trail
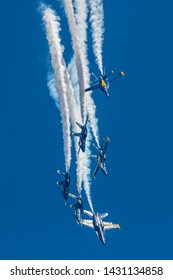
(74, 109)
(81, 12)
(74, 82)
(81, 79)
(86, 173)
(52, 26)
(97, 24)
(79, 41)
(76, 47)
(52, 88)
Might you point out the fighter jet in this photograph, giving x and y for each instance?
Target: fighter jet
(65, 184)
(101, 157)
(82, 135)
(78, 207)
(103, 81)
(98, 225)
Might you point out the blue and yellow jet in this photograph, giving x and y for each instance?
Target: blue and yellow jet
(98, 224)
(82, 135)
(101, 157)
(78, 207)
(103, 81)
(65, 184)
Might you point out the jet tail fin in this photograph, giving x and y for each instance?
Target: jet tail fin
(81, 126)
(95, 146)
(60, 172)
(86, 120)
(94, 76)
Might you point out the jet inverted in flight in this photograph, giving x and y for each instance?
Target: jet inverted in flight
(65, 184)
(82, 135)
(98, 225)
(78, 207)
(101, 157)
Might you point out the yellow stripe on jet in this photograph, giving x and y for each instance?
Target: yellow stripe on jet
(103, 83)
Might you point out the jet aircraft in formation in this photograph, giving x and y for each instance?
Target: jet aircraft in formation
(65, 184)
(96, 222)
(104, 81)
(78, 207)
(97, 219)
(98, 225)
(101, 157)
(82, 135)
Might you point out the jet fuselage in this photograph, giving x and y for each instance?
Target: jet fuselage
(82, 140)
(101, 156)
(104, 85)
(78, 209)
(82, 135)
(99, 228)
(66, 186)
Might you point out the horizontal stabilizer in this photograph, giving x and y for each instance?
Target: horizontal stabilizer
(103, 215)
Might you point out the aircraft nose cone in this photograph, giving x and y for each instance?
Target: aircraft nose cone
(103, 242)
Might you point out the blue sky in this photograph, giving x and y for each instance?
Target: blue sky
(138, 118)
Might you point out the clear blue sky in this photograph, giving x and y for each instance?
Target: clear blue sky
(138, 118)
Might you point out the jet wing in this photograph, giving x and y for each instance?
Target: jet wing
(93, 87)
(89, 213)
(109, 225)
(106, 145)
(116, 77)
(73, 196)
(96, 170)
(102, 143)
(60, 183)
(113, 79)
(88, 223)
(103, 168)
